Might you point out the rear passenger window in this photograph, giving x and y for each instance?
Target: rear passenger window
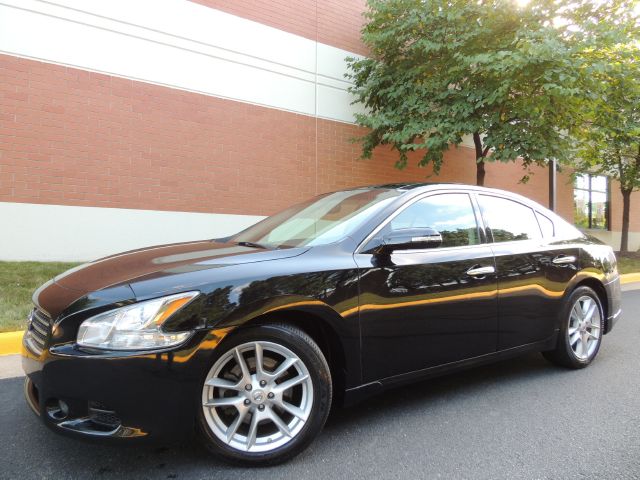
(451, 214)
(546, 225)
(509, 220)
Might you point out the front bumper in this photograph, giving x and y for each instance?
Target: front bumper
(118, 395)
(614, 306)
(613, 319)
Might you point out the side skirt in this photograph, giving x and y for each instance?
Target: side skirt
(357, 394)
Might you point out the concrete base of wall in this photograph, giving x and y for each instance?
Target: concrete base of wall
(75, 234)
(613, 238)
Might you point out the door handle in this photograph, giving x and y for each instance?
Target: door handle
(564, 259)
(480, 271)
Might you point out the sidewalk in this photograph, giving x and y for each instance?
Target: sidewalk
(11, 366)
(11, 342)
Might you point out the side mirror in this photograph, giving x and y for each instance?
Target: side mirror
(410, 239)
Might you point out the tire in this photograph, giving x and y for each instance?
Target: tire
(286, 411)
(575, 326)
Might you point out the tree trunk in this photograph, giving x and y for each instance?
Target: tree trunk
(477, 141)
(480, 173)
(626, 207)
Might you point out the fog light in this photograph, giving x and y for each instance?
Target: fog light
(57, 409)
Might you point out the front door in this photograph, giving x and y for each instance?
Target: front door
(423, 308)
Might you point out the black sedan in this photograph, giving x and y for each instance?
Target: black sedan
(249, 340)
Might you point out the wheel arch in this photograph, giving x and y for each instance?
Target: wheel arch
(595, 284)
(329, 329)
(322, 333)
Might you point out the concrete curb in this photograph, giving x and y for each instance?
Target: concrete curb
(11, 342)
(629, 278)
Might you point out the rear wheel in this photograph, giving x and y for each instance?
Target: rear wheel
(266, 396)
(581, 329)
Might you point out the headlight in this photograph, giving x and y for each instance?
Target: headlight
(135, 327)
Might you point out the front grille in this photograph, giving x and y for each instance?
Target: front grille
(39, 331)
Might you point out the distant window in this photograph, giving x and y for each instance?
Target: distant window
(509, 220)
(546, 225)
(451, 214)
(591, 201)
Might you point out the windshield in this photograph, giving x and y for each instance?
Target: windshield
(319, 221)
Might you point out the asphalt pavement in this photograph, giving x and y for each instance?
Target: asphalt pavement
(519, 419)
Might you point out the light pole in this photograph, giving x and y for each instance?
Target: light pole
(552, 184)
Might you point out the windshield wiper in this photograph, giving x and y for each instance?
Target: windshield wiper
(252, 244)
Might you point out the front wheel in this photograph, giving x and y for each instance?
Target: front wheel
(581, 329)
(266, 396)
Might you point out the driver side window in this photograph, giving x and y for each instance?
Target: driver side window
(451, 214)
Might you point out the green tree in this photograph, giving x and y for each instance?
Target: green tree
(508, 75)
(610, 138)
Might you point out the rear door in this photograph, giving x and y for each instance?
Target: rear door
(532, 271)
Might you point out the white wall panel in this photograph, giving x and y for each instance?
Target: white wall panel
(191, 21)
(182, 45)
(69, 233)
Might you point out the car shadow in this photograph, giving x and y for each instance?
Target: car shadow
(449, 387)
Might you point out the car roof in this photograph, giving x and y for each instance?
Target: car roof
(411, 189)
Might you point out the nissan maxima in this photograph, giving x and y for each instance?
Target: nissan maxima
(250, 340)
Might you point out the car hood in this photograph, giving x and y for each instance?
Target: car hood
(163, 260)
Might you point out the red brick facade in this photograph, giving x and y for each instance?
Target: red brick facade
(71, 137)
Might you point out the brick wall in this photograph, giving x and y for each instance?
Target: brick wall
(70, 137)
(616, 209)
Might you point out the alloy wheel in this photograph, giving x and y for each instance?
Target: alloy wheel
(257, 396)
(585, 327)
